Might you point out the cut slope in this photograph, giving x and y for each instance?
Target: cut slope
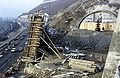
(52, 8)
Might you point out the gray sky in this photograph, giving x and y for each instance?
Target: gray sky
(13, 8)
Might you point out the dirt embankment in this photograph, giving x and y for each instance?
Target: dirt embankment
(89, 40)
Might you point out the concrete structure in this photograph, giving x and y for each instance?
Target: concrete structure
(92, 26)
(105, 15)
(113, 57)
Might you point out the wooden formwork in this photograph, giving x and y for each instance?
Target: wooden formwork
(35, 32)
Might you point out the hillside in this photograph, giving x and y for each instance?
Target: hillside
(53, 7)
(71, 16)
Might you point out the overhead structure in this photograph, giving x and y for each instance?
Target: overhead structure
(104, 11)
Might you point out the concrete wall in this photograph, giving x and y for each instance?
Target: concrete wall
(114, 1)
(113, 57)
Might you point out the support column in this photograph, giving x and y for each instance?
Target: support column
(113, 58)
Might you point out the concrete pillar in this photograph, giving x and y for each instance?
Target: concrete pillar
(114, 53)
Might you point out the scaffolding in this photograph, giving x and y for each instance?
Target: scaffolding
(35, 31)
(35, 37)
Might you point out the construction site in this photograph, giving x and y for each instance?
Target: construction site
(81, 41)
